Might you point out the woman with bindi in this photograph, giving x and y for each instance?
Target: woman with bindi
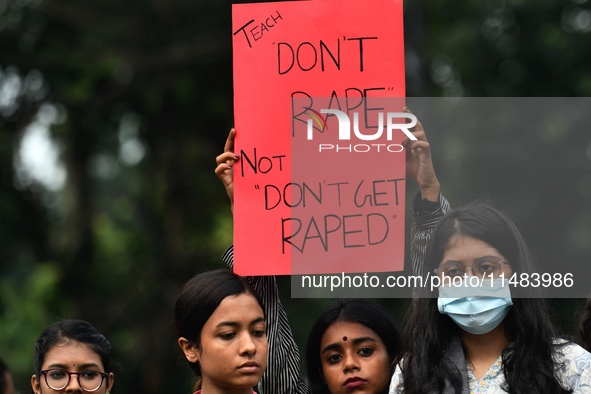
(71, 356)
(352, 348)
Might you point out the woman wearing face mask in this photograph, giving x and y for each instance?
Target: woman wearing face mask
(71, 356)
(221, 327)
(491, 338)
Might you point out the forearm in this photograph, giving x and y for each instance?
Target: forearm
(425, 216)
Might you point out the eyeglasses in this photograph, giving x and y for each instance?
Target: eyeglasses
(484, 267)
(58, 379)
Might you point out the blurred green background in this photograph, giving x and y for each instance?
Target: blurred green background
(112, 114)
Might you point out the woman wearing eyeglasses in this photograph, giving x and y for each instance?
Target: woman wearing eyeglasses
(476, 333)
(71, 356)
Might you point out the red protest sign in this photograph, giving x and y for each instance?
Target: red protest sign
(319, 187)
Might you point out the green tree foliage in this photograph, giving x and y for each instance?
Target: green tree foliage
(137, 99)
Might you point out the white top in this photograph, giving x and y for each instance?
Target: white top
(574, 373)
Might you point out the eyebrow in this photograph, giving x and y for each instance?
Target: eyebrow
(235, 324)
(66, 366)
(481, 257)
(355, 341)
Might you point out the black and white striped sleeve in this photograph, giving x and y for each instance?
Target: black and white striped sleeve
(423, 222)
(283, 374)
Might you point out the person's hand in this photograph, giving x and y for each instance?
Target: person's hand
(419, 165)
(225, 168)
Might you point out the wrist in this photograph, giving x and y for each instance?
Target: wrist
(423, 208)
(431, 192)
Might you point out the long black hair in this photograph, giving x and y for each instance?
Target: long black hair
(585, 326)
(527, 362)
(359, 311)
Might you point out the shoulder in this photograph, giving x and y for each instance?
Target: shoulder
(573, 366)
(396, 382)
(566, 350)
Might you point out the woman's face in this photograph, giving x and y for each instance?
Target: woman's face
(74, 357)
(475, 257)
(354, 359)
(233, 350)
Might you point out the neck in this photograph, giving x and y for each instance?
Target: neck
(208, 388)
(483, 350)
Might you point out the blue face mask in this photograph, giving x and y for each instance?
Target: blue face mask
(474, 308)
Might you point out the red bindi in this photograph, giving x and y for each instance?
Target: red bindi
(344, 338)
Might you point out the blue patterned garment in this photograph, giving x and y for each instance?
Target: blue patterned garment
(483, 385)
(573, 371)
